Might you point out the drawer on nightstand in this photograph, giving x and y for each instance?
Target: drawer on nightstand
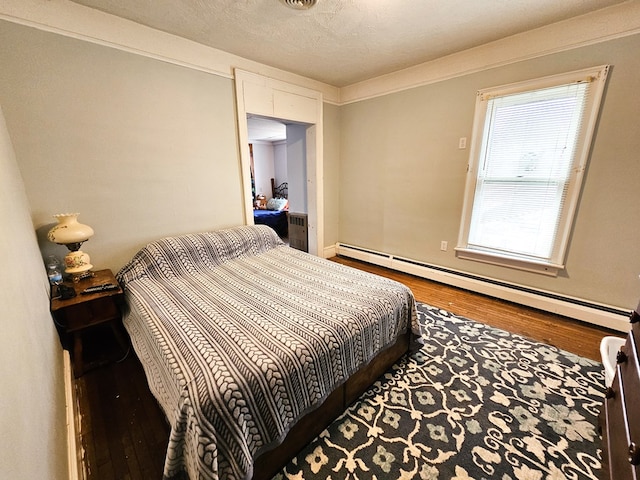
(85, 314)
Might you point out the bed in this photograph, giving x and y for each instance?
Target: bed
(276, 219)
(251, 347)
(274, 214)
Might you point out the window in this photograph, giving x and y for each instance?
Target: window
(529, 150)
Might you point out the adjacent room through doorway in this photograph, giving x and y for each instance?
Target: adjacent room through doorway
(279, 177)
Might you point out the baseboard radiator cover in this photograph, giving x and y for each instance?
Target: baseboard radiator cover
(607, 316)
(73, 421)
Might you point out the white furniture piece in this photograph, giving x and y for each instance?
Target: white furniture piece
(609, 348)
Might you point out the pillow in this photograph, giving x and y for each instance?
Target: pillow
(172, 257)
(277, 204)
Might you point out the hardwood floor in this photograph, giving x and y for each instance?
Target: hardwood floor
(568, 334)
(124, 433)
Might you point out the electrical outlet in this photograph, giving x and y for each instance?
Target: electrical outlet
(443, 245)
(462, 143)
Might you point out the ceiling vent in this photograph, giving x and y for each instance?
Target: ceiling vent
(299, 4)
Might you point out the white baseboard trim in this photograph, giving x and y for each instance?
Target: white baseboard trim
(329, 252)
(607, 316)
(74, 459)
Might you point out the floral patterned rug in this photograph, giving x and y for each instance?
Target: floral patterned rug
(474, 403)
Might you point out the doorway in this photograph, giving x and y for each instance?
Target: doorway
(267, 140)
(299, 108)
(269, 173)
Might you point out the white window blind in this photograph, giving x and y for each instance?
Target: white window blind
(532, 144)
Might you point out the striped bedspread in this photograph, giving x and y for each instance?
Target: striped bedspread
(240, 336)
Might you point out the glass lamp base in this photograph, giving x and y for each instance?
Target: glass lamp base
(78, 265)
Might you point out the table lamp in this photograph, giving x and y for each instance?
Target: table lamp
(72, 234)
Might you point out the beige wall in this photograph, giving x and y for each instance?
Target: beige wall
(264, 167)
(402, 175)
(141, 148)
(331, 123)
(33, 443)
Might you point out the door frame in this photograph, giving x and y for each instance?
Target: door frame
(267, 97)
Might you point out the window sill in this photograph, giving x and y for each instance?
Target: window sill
(544, 268)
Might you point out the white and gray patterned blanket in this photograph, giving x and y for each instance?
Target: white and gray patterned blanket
(240, 336)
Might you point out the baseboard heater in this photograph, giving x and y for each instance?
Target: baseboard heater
(599, 314)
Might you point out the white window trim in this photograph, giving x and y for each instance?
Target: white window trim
(556, 264)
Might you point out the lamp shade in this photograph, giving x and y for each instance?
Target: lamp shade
(71, 233)
(69, 230)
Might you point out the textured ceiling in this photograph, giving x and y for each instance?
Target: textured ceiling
(341, 42)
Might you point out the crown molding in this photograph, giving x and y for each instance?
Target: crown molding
(64, 17)
(70, 19)
(602, 25)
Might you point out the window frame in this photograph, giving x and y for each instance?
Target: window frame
(556, 261)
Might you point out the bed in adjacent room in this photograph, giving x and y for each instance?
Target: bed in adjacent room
(251, 347)
(274, 213)
(276, 219)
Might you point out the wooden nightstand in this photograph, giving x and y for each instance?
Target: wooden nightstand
(76, 316)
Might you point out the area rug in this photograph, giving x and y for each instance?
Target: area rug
(474, 403)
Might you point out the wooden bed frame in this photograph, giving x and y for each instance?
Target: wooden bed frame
(312, 424)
